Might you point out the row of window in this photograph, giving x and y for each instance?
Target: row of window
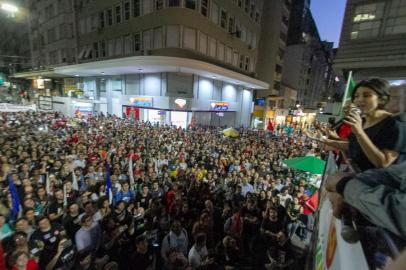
(56, 57)
(127, 9)
(367, 20)
(167, 37)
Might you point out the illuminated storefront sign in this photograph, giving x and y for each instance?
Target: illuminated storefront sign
(180, 102)
(220, 106)
(141, 101)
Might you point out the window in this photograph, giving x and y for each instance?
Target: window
(189, 38)
(203, 43)
(252, 12)
(235, 59)
(214, 13)
(49, 12)
(137, 42)
(212, 47)
(396, 22)
(128, 45)
(229, 55)
(220, 51)
(137, 8)
(103, 49)
(110, 17)
(126, 11)
(204, 8)
(101, 20)
(239, 3)
(231, 23)
(146, 39)
(278, 68)
(62, 31)
(119, 46)
(242, 59)
(110, 47)
(118, 13)
(247, 6)
(247, 63)
(172, 36)
(257, 17)
(158, 40)
(173, 3)
(223, 19)
(51, 35)
(367, 20)
(190, 4)
(159, 4)
(96, 49)
(368, 12)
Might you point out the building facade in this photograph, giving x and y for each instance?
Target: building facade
(373, 40)
(202, 53)
(307, 63)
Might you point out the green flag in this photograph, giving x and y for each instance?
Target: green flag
(349, 89)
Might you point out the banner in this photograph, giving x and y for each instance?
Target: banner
(332, 252)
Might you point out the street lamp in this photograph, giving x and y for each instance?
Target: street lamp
(9, 8)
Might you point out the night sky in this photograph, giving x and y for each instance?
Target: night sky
(329, 15)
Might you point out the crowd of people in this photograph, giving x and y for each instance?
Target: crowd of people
(112, 193)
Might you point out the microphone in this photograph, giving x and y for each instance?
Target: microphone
(341, 121)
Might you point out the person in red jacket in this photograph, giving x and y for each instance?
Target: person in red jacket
(22, 261)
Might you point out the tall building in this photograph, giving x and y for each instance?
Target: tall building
(272, 44)
(306, 58)
(169, 60)
(52, 32)
(14, 44)
(373, 39)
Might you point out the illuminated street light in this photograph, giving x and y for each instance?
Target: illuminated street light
(9, 7)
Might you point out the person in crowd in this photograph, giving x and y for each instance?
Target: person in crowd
(198, 255)
(177, 238)
(182, 183)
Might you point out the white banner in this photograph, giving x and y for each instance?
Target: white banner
(332, 252)
(6, 107)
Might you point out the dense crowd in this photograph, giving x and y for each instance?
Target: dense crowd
(112, 193)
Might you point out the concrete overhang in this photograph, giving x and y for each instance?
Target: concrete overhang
(150, 64)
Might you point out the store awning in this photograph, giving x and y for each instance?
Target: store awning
(154, 64)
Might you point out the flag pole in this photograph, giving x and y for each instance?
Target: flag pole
(347, 90)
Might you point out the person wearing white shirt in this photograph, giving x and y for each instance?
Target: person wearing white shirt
(198, 254)
(177, 238)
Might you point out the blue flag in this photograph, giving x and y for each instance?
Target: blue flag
(109, 185)
(14, 196)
